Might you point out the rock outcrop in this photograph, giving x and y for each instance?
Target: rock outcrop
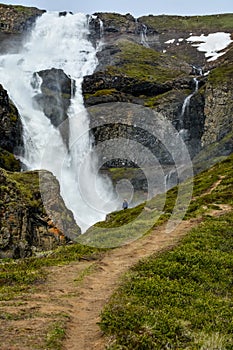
(219, 101)
(54, 99)
(11, 139)
(33, 215)
(16, 18)
(15, 22)
(149, 62)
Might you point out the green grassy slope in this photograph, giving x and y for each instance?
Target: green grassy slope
(182, 299)
(210, 22)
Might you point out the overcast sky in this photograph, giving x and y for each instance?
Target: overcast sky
(135, 7)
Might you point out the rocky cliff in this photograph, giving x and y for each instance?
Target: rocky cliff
(11, 140)
(32, 219)
(150, 62)
(14, 24)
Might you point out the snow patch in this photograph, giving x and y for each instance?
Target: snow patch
(211, 44)
(171, 41)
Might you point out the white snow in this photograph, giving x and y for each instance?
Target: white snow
(211, 44)
(171, 41)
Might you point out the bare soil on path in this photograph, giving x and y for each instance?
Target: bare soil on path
(84, 332)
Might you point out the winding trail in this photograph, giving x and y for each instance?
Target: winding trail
(96, 288)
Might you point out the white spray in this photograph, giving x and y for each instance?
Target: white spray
(59, 42)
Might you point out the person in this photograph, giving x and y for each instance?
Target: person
(125, 204)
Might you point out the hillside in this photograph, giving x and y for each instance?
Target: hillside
(54, 302)
(153, 62)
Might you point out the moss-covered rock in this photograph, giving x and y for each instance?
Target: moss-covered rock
(11, 133)
(32, 220)
(8, 161)
(10, 124)
(16, 18)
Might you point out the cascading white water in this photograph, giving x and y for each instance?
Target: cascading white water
(59, 42)
(144, 40)
(188, 98)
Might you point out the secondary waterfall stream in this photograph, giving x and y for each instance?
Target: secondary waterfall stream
(59, 42)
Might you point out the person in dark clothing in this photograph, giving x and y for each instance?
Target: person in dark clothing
(125, 204)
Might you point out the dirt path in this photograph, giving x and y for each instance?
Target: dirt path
(96, 288)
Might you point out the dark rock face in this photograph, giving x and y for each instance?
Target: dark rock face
(17, 19)
(121, 122)
(11, 130)
(218, 111)
(54, 99)
(31, 222)
(15, 22)
(126, 85)
(122, 76)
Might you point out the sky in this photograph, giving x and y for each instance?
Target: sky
(136, 7)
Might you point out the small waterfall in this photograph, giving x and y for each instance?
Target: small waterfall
(62, 43)
(144, 40)
(171, 179)
(196, 70)
(188, 98)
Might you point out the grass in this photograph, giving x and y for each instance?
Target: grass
(182, 299)
(56, 334)
(124, 226)
(200, 23)
(150, 65)
(179, 300)
(8, 161)
(218, 74)
(19, 276)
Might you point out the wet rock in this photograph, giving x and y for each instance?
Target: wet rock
(54, 99)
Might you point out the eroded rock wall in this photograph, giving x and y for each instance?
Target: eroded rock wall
(33, 215)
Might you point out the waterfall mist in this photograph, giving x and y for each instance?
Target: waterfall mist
(62, 43)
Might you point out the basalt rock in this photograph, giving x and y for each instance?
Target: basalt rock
(127, 86)
(11, 139)
(149, 62)
(56, 91)
(15, 22)
(218, 108)
(33, 214)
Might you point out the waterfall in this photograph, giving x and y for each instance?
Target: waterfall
(188, 98)
(144, 40)
(59, 42)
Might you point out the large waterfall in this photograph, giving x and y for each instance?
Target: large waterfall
(59, 42)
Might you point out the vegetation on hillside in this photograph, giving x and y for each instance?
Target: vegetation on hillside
(182, 298)
(150, 65)
(200, 23)
(20, 276)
